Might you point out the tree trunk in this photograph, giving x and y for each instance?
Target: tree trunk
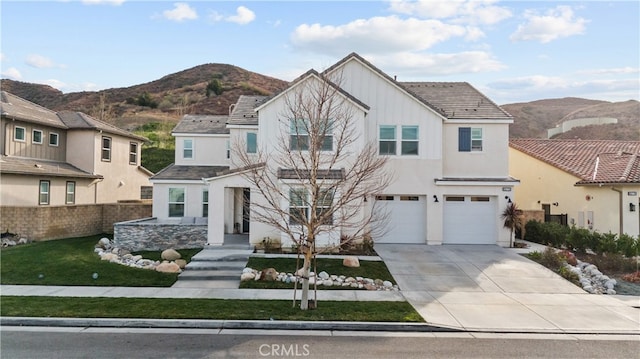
(511, 238)
(304, 301)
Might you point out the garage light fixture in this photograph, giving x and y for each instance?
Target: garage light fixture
(435, 198)
(632, 207)
(508, 199)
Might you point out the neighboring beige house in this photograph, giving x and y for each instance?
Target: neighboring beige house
(447, 145)
(64, 158)
(595, 183)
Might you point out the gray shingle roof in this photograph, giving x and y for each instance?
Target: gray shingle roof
(81, 121)
(457, 100)
(178, 172)
(204, 124)
(38, 167)
(243, 112)
(20, 109)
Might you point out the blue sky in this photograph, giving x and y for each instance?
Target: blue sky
(513, 51)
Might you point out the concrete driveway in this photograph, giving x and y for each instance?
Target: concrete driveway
(485, 287)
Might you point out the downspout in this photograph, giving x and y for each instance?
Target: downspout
(621, 210)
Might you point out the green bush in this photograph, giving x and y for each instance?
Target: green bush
(606, 242)
(628, 246)
(533, 232)
(555, 234)
(579, 239)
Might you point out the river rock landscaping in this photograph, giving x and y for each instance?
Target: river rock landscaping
(171, 263)
(321, 279)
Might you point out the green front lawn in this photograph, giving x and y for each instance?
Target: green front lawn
(168, 308)
(367, 269)
(72, 262)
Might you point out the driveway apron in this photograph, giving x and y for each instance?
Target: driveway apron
(486, 287)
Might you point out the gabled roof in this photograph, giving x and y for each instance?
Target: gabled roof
(293, 174)
(81, 121)
(592, 161)
(39, 167)
(18, 108)
(14, 107)
(244, 110)
(458, 100)
(203, 124)
(314, 73)
(178, 172)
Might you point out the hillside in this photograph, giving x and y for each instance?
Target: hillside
(532, 119)
(164, 100)
(167, 99)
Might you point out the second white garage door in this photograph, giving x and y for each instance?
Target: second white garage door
(407, 219)
(469, 220)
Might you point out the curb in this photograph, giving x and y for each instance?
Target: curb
(275, 325)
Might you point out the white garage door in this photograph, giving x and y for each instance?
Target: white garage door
(407, 219)
(469, 220)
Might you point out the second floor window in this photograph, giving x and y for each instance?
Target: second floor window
(106, 148)
(299, 136)
(19, 134)
(54, 139)
(133, 153)
(187, 149)
(409, 140)
(387, 140)
(252, 142)
(37, 137)
(469, 139)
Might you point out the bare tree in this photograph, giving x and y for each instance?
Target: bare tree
(321, 165)
(103, 111)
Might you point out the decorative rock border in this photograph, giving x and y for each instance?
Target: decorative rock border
(322, 279)
(108, 252)
(591, 279)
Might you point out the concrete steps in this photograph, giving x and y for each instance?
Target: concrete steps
(215, 267)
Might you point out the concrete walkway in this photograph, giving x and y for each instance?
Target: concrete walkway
(484, 287)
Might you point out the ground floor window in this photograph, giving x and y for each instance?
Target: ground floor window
(205, 203)
(300, 205)
(176, 202)
(45, 187)
(71, 193)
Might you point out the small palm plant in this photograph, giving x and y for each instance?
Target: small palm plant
(513, 219)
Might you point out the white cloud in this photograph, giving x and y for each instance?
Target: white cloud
(457, 11)
(41, 62)
(554, 24)
(180, 12)
(422, 65)
(55, 84)
(374, 35)
(12, 73)
(243, 16)
(103, 2)
(611, 71)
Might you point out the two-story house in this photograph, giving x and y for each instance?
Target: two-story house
(65, 158)
(447, 146)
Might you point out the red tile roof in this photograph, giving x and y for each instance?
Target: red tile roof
(593, 161)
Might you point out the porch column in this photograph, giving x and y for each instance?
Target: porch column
(215, 228)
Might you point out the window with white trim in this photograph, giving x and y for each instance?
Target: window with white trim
(36, 137)
(70, 197)
(106, 148)
(300, 206)
(410, 141)
(187, 148)
(252, 142)
(133, 153)
(470, 139)
(176, 202)
(54, 139)
(387, 140)
(300, 140)
(43, 194)
(19, 134)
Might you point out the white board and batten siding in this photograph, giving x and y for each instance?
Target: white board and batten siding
(407, 218)
(470, 220)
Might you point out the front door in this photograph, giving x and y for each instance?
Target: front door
(246, 196)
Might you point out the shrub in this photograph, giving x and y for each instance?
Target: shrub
(214, 86)
(606, 243)
(628, 246)
(555, 234)
(579, 239)
(533, 232)
(551, 259)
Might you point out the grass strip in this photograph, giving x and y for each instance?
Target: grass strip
(170, 308)
(72, 261)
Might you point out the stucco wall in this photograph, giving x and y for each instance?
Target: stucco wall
(19, 190)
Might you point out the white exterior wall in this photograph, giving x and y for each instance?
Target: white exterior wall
(193, 199)
(208, 150)
(491, 162)
(238, 138)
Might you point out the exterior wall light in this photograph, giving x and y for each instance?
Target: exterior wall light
(555, 204)
(508, 199)
(632, 207)
(435, 198)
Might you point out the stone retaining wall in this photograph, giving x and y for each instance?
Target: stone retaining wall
(149, 235)
(55, 222)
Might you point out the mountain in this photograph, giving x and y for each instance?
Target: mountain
(204, 89)
(532, 119)
(212, 88)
